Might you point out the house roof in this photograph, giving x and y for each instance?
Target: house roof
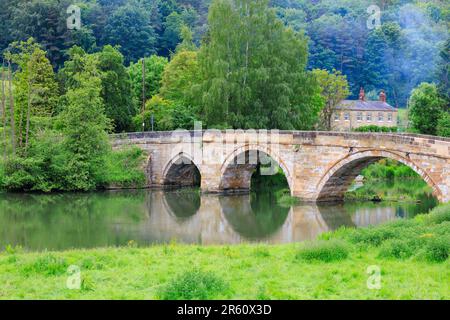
(360, 105)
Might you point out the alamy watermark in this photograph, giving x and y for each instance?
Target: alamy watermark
(73, 281)
(374, 280)
(74, 20)
(374, 19)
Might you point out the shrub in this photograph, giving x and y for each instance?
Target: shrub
(123, 168)
(48, 265)
(397, 248)
(376, 235)
(438, 215)
(438, 249)
(388, 169)
(374, 128)
(372, 235)
(326, 251)
(193, 285)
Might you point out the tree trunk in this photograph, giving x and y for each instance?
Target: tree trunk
(143, 84)
(11, 109)
(27, 130)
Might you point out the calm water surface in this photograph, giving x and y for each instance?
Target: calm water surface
(63, 221)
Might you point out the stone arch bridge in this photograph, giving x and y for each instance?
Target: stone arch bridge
(319, 166)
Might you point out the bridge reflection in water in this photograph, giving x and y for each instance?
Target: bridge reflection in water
(63, 221)
(248, 218)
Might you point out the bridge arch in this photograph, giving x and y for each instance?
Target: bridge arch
(182, 171)
(238, 176)
(336, 181)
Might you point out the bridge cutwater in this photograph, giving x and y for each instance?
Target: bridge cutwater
(319, 166)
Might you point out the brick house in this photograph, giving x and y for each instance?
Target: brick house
(351, 114)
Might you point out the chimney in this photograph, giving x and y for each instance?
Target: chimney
(382, 96)
(362, 95)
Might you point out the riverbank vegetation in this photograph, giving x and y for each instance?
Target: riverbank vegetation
(64, 146)
(389, 180)
(259, 64)
(332, 267)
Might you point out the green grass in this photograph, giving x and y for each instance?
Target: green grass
(123, 168)
(193, 285)
(412, 256)
(326, 251)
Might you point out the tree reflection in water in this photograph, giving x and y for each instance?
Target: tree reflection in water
(255, 216)
(183, 203)
(63, 221)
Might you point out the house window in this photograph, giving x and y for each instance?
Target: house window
(390, 117)
(336, 117)
(347, 116)
(380, 117)
(369, 117)
(359, 116)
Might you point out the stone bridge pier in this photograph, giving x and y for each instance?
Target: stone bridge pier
(319, 166)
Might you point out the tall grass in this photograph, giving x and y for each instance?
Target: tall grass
(124, 168)
(426, 237)
(193, 285)
(325, 251)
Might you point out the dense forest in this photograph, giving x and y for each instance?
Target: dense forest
(396, 57)
(133, 65)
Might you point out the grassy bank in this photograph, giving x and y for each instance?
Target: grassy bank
(413, 257)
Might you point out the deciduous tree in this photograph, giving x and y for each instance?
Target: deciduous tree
(253, 70)
(334, 88)
(426, 107)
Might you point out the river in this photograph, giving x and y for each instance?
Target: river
(144, 217)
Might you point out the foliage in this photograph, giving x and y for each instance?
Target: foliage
(375, 128)
(174, 25)
(325, 251)
(84, 124)
(397, 57)
(439, 215)
(35, 88)
(129, 27)
(397, 249)
(179, 76)
(116, 88)
(334, 88)
(426, 107)
(443, 125)
(193, 285)
(48, 167)
(438, 250)
(48, 265)
(388, 169)
(123, 168)
(409, 189)
(443, 71)
(253, 70)
(424, 238)
(167, 115)
(154, 67)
